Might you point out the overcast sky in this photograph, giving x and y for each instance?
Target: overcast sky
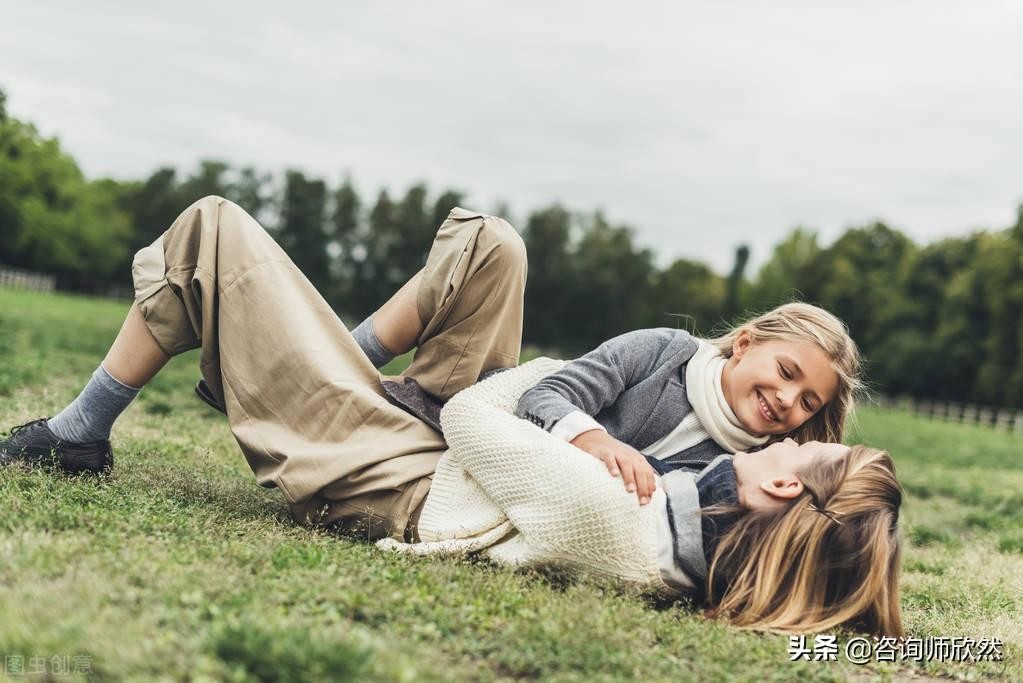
(702, 125)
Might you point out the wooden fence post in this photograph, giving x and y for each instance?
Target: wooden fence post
(13, 277)
(1002, 419)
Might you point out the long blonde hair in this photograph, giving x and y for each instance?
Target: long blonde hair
(828, 558)
(803, 322)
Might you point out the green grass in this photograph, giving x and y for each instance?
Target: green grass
(180, 568)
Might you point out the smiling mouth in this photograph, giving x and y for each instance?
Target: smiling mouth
(765, 409)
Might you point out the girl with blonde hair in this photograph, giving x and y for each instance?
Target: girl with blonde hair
(798, 322)
(792, 538)
(654, 400)
(827, 557)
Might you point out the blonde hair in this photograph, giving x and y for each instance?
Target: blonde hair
(828, 558)
(802, 322)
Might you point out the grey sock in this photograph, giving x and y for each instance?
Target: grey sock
(90, 416)
(378, 354)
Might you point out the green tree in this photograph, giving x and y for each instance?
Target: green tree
(303, 228)
(351, 253)
(907, 357)
(692, 295)
(251, 190)
(208, 179)
(414, 234)
(793, 273)
(51, 217)
(443, 205)
(1014, 385)
(862, 268)
(999, 268)
(960, 333)
(548, 245)
(611, 284)
(733, 304)
(378, 278)
(152, 204)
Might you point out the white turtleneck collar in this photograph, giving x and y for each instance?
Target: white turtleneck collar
(707, 396)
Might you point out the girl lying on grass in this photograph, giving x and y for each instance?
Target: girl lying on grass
(792, 538)
(350, 448)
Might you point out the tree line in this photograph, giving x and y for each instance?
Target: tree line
(940, 320)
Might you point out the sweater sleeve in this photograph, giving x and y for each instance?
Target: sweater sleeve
(563, 501)
(596, 380)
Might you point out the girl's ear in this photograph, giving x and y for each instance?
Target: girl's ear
(783, 488)
(742, 343)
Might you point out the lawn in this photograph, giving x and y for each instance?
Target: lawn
(179, 567)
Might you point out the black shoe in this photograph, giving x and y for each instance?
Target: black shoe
(35, 444)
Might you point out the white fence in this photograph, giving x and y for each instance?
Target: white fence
(1005, 419)
(42, 282)
(25, 279)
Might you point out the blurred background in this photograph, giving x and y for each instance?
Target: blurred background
(675, 164)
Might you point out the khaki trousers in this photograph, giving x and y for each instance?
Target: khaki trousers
(303, 401)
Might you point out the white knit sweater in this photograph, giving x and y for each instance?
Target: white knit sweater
(509, 489)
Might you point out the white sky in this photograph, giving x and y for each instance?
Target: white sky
(701, 124)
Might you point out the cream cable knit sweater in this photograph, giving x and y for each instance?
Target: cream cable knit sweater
(509, 489)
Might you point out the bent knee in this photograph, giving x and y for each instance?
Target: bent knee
(210, 201)
(509, 248)
(217, 203)
(228, 217)
(202, 211)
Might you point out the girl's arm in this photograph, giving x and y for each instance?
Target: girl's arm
(565, 402)
(564, 503)
(594, 381)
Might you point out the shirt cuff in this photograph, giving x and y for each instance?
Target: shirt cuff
(574, 424)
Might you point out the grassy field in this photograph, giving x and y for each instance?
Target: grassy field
(178, 567)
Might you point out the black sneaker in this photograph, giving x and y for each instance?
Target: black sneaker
(35, 444)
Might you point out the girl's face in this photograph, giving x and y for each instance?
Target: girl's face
(775, 386)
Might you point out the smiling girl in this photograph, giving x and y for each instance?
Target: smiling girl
(794, 537)
(655, 400)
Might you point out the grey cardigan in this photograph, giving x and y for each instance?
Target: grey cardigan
(634, 385)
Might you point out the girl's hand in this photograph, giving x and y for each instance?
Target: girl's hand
(621, 460)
